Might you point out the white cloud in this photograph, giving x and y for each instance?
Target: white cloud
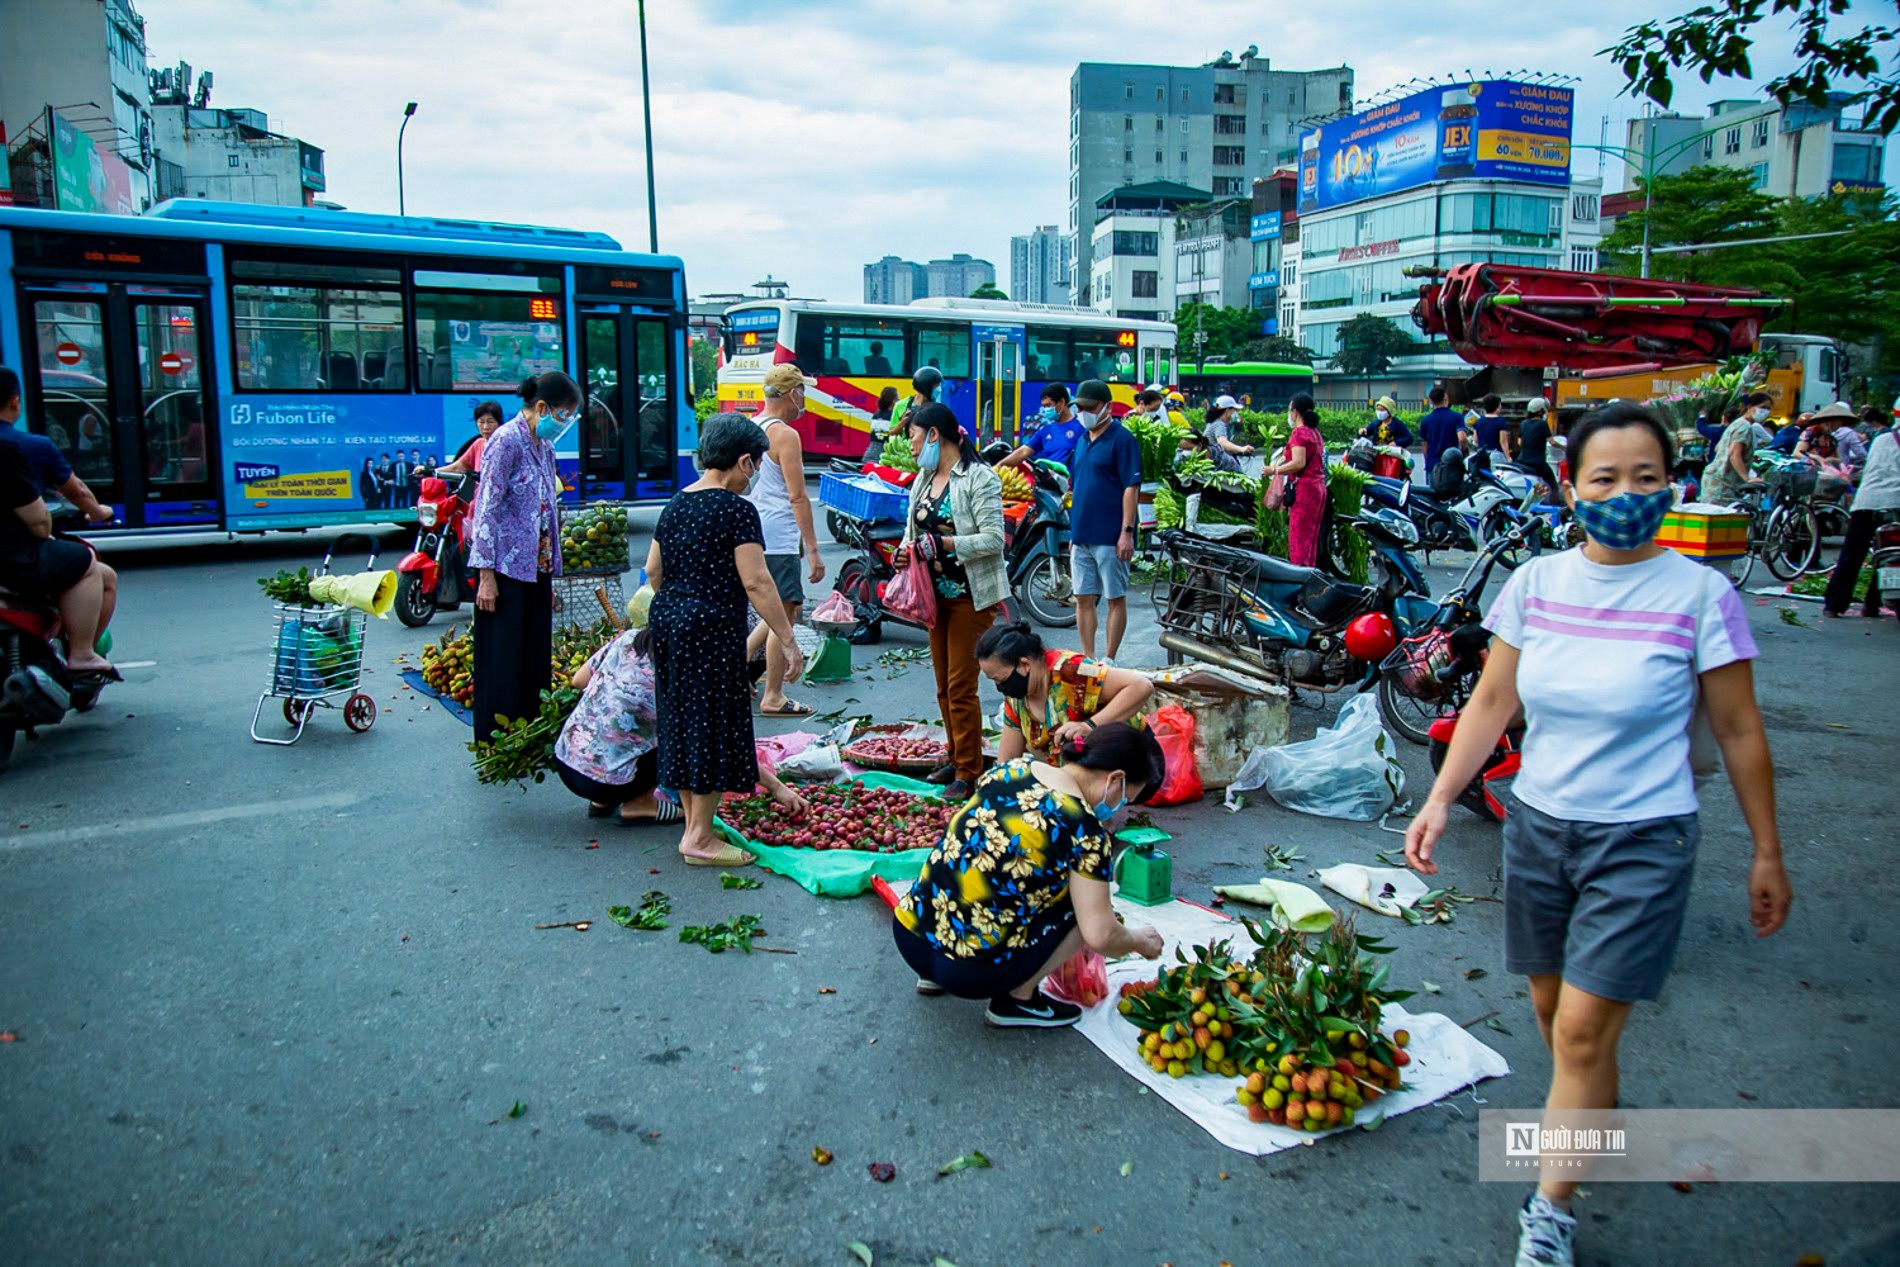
(801, 139)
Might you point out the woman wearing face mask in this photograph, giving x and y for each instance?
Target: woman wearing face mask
(956, 521)
(515, 543)
(1053, 700)
(1219, 431)
(1304, 465)
(706, 566)
(1608, 646)
(1728, 471)
(1019, 882)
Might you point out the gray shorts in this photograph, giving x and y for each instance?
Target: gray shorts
(1601, 904)
(1097, 570)
(788, 573)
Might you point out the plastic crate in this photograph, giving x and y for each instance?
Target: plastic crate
(863, 497)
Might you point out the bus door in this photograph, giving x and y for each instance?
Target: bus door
(1157, 366)
(117, 378)
(999, 382)
(629, 441)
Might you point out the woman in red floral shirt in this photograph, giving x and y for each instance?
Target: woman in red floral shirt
(1052, 700)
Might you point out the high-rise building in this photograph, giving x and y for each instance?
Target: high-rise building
(894, 281)
(1216, 127)
(1798, 151)
(1132, 255)
(1039, 266)
(957, 276)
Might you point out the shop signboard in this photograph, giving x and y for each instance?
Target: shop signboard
(1492, 129)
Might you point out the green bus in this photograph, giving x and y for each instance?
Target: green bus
(1267, 385)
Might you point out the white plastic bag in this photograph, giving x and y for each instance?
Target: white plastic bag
(820, 763)
(1347, 771)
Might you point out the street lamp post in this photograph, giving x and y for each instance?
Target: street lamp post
(1646, 168)
(646, 109)
(402, 202)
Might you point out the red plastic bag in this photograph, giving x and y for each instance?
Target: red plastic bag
(911, 595)
(1083, 980)
(1173, 728)
(889, 474)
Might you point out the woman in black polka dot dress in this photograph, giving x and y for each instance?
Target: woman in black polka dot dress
(707, 560)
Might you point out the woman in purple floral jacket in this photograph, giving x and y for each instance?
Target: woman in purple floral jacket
(516, 546)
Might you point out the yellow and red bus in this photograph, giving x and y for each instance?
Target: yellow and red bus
(995, 355)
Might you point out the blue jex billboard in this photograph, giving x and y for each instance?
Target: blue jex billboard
(1495, 129)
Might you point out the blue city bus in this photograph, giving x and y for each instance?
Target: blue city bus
(220, 366)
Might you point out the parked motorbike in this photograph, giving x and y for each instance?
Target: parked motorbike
(433, 576)
(36, 686)
(1036, 548)
(1493, 502)
(1481, 796)
(1885, 559)
(1257, 614)
(1430, 674)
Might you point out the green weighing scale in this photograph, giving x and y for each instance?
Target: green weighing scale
(831, 662)
(1144, 873)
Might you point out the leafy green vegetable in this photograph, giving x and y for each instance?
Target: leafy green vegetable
(736, 932)
(728, 880)
(288, 587)
(650, 918)
(522, 748)
(965, 1162)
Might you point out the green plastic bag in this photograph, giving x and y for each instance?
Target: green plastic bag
(841, 872)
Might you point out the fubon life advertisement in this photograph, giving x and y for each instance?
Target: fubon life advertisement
(1492, 129)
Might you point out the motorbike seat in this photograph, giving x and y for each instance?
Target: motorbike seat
(1267, 568)
(1329, 601)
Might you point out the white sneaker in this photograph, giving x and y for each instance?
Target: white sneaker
(1545, 1234)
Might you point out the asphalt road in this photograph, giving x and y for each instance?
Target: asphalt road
(276, 1004)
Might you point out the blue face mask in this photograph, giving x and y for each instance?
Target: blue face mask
(1047, 413)
(553, 426)
(927, 460)
(1628, 521)
(1104, 811)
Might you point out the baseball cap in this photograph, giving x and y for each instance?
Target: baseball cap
(784, 377)
(1226, 402)
(1093, 389)
(1538, 405)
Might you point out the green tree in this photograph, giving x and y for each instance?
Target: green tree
(988, 290)
(1275, 347)
(704, 355)
(1226, 331)
(1367, 344)
(1715, 39)
(1703, 204)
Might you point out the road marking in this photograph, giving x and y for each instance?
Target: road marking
(189, 818)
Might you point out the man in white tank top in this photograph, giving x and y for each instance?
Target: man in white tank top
(785, 515)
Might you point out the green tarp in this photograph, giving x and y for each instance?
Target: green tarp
(841, 872)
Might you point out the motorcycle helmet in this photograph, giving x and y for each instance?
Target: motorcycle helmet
(1371, 637)
(926, 381)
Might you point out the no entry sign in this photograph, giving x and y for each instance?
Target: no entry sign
(68, 353)
(174, 363)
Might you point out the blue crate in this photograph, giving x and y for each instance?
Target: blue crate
(863, 497)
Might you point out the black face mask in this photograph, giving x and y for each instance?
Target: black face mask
(1015, 686)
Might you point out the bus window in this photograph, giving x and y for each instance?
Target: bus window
(946, 347)
(852, 345)
(1047, 355)
(75, 395)
(300, 326)
(477, 338)
(1099, 354)
(658, 449)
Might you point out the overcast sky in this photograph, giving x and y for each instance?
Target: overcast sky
(805, 138)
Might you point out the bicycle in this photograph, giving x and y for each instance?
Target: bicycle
(1782, 532)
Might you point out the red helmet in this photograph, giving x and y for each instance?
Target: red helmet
(1371, 637)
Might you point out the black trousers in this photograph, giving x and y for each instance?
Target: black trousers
(514, 652)
(1840, 586)
(646, 777)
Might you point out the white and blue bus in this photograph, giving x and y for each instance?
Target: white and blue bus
(219, 366)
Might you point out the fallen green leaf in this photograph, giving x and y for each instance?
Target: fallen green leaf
(1789, 616)
(1128, 1168)
(862, 1251)
(1473, 974)
(1430, 987)
(650, 917)
(1492, 1022)
(941, 1261)
(730, 881)
(964, 1162)
(735, 933)
(518, 1110)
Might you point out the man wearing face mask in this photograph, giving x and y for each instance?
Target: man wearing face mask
(515, 544)
(1103, 516)
(1055, 438)
(778, 494)
(1020, 881)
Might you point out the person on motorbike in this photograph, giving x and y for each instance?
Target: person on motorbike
(1218, 428)
(1386, 427)
(1728, 472)
(35, 563)
(51, 470)
(468, 460)
(1056, 438)
(1053, 700)
(1534, 444)
(923, 389)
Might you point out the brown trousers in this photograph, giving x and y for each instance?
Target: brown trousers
(953, 658)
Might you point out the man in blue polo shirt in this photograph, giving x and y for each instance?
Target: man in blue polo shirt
(1106, 498)
(1056, 438)
(1443, 428)
(48, 465)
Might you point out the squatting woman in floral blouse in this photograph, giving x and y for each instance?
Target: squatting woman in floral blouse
(1020, 880)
